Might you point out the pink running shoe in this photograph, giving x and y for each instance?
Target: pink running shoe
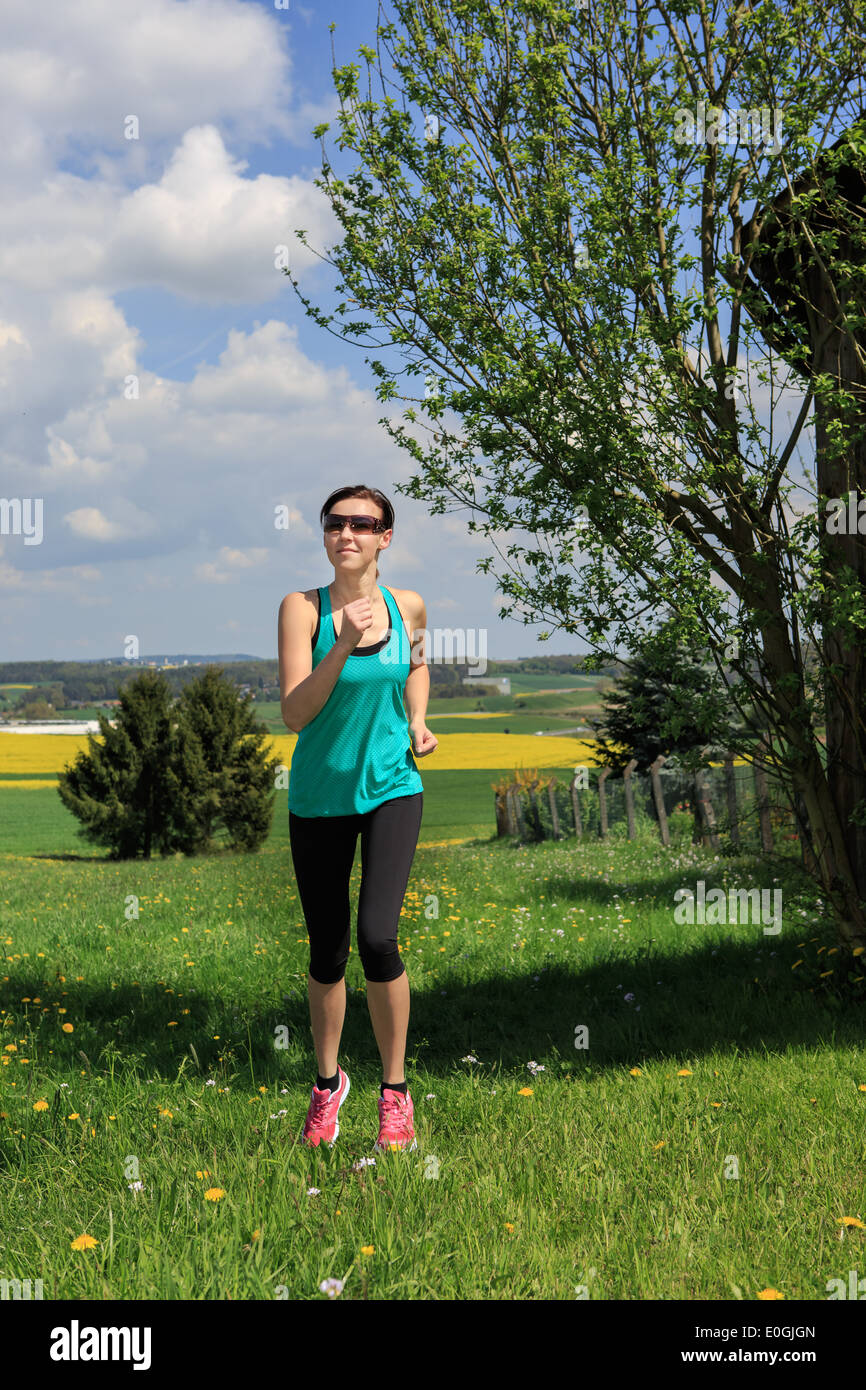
(396, 1130)
(321, 1123)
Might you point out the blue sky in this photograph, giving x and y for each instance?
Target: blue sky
(153, 258)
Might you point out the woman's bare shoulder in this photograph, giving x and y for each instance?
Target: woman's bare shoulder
(303, 600)
(411, 605)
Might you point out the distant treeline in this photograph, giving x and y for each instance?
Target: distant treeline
(90, 681)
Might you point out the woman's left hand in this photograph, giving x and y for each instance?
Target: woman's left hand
(423, 742)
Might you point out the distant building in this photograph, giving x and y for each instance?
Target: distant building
(502, 683)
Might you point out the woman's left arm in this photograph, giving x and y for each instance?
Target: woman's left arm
(417, 689)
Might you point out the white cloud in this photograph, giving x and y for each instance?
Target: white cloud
(178, 482)
(72, 81)
(202, 230)
(206, 232)
(210, 573)
(91, 524)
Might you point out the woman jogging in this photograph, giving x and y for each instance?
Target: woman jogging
(345, 662)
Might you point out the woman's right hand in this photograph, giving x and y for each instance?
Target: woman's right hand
(357, 618)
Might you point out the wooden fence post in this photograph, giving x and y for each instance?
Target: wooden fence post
(629, 797)
(659, 799)
(602, 801)
(518, 809)
(535, 817)
(706, 807)
(731, 795)
(554, 815)
(575, 806)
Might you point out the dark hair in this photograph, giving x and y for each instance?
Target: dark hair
(361, 490)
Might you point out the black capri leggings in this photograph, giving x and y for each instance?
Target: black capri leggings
(323, 852)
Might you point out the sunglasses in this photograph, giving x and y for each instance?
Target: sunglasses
(365, 525)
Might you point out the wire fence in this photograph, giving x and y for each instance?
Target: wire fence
(737, 806)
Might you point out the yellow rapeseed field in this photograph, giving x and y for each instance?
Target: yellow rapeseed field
(38, 752)
(52, 752)
(478, 751)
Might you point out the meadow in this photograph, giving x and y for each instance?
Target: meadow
(608, 1104)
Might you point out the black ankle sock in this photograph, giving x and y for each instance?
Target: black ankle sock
(328, 1083)
(401, 1087)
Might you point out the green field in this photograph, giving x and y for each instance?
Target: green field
(457, 805)
(527, 710)
(704, 1143)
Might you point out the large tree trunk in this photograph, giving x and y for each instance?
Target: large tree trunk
(807, 287)
(844, 645)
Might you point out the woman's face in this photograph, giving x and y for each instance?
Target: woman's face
(352, 550)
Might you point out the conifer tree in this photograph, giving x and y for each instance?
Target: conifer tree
(169, 778)
(123, 787)
(670, 701)
(232, 788)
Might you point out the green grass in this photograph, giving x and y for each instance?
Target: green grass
(457, 805)
(565, 705)
(549, 710)
(597, 1178)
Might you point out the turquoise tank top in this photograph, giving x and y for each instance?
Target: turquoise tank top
(357, 752)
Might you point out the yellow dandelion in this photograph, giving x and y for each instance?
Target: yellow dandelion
(256, 1233)
(74, 1116)
(862, 1086)
(525, 1091)
(716, 1104)
(263, 1090)
(858, 951)
(214, 1194)
(172, 1024)
(660, 1144)
(509, 1226)
(41, 1105)
(635, 1071)
(10, 1047)
(83, 1242)
(684, 1072)
(851, 1221)
(202, 1173)
(770, 1293)
(366, 1249)
(67, 1027)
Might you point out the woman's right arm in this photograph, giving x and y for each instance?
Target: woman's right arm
(303, 691)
